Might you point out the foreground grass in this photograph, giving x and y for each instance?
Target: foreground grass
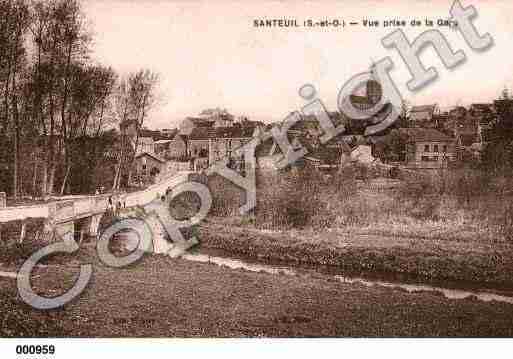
(454, 228)
(359, 249)
(161, 297)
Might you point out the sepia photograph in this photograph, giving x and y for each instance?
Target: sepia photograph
(254, 170)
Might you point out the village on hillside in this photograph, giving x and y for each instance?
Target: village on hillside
(424, 139)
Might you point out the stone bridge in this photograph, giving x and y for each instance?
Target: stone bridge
(62, 213)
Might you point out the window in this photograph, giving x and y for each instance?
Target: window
(425, 158)
(426, 148)
(435, 149)
(445, 148)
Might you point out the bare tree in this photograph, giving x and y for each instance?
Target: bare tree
(14, 20)
(137, 95)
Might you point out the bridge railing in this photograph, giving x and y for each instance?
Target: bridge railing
(8, 214)
(76, 206)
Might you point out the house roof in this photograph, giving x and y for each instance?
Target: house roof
(251, 123)
(169, 133)
(202, 133)
(502, 106)
(201, 121)
(150, 155)
(307, 123)
(423, 108)
(325, 155)
(487, 107)
(424, 135)
(234, 132)
(156, 135)
(205, 133)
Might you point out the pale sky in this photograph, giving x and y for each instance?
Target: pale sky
(209, 54)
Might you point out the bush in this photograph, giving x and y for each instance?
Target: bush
(227, 198)
(301, 197)
(13, 252)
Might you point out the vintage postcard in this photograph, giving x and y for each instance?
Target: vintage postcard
(257, 169)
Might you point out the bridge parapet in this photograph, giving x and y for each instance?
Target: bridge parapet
(61, 211)
(8, 214)
(73, 207)
(82, 206)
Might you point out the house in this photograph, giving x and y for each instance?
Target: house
(485, 115)
(145, 145)
(227, 140)
(458, 112)
(220, 117)
(481, 110)
(245, 122)
(162, 147)
(198, 141)
(466, 134)
(308, 127)
(147, 167)
(149, 141)
(208, 145)
(427, 148)
(268, 154)
(424, 116)
(169, 133)
(210, 118)
(177, 147)
(468, 127)
(191, 123)
(504, 110)
(441, 119)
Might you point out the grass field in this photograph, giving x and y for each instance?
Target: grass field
(457, 229)
(163, 297)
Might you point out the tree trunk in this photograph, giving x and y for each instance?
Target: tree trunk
(116, 176)
(15, 180)
(34, 179)
(68, 170)
(44, 177)
(51, 180)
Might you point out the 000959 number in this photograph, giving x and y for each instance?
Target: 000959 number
(35, 349)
